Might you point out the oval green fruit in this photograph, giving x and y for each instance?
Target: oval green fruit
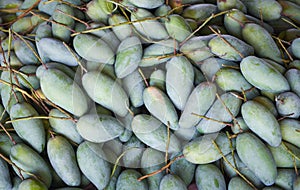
(263, 76)
(262, 122)
(257, 157)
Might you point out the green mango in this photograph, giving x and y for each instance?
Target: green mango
(89, 46)
(177, 27)
(150, 29)
(231, 5)
(257, 157)
(106, 92)
(263, 100)
(172, 182)
(128, 180)
(285, 178)
(128, 56)
(29, 160)
(291, 10)
(154, 134)
(24, 53)
(262, 122)
(28, 79)
(220, 113)
(295, 47)
(31, 131)
(158, 52)
(95, 168)
(199, 102)
(199, 12)
(196, 48)
(62, 158)
(179, 90)
(132, 153)
(60, 89)
(32, 184)
(239, 125)
(263, 76)
(55, 50)
(160, 106)
(289, 131)
(293, 77)
(262, 42)
(5, 181)
(64, 127)
(122, 31)
(6, 143)
(59, 15)
(99, 128)
(210, 66)
(209, 176)
(158, 79)
(231, 80)
(106, 35)
(237, 183)
(283, 158)
(201, 150)
(152, 160)
(233, 49)
(147, 4)
(183, 169)
(288, 104)
(267, 10)
(233, 21)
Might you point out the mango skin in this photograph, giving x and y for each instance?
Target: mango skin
(106, 92)
(180, 89)
(30, 161)
(153, 133)
(152, 161)
(293, 77)
(230, 52)
(262, 42)
(263, 76)
(31, 131)
(5, 181)
(128, 180)
(257, 157)
(95, 168)
(160, 106)
(62, 157)
(89, 47)
(63, 127)
(288, 104)
(284, 159)
(288, 128)
(99, 128)
(62, 90)
(128, 56)
(32, 184)
(172, 182)
(54, 50)
(237, 183)
(202, 151)
(208, 177)
(231, 80)
(262, 122)
(199, 101)
(295, 47)
(218, 112)
(177, 27)
(268, 10)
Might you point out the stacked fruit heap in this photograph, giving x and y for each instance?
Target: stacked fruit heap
(150, 94)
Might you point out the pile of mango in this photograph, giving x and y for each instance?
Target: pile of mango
(150, 94)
